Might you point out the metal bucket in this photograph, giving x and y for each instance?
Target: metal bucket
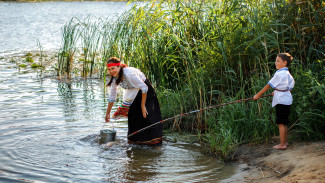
(107, 136)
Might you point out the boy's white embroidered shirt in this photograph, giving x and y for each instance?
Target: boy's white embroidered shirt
(133, 80)
(282, 80)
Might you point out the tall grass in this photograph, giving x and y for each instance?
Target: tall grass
(201, 53)
(90, 43)
(69, 47)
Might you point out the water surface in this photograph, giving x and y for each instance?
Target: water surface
(49, 128)
(49, 133)
(22, 24)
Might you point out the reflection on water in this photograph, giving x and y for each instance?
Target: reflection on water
(142, 162)
(49, 131)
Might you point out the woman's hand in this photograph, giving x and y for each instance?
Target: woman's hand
(143, 105)
(108, 111)
(108, 116)
(144, 112)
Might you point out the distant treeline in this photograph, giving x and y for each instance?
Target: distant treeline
(55, 0)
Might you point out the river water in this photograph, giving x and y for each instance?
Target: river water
(49, 128)
(22, 24)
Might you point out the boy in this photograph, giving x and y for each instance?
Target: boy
(282, 82)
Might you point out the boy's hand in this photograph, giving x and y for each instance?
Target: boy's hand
(256, 97)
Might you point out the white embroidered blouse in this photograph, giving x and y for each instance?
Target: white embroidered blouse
(282, 80)
(133, 81)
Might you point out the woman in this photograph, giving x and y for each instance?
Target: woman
(140, 104)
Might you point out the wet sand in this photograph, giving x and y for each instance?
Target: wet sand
(300, 162)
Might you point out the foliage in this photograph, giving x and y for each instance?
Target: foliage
(69, 48)
(34, 65)
(308, 107)
(29, 59)
(29, 54)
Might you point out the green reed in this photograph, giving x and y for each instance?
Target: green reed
(41, 51)
(90, 43)
(68, 49)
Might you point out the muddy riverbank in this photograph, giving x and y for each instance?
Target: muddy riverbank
(300, 162)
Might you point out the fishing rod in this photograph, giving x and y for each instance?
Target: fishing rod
(184, 114)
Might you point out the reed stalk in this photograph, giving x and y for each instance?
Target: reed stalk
(68, 49)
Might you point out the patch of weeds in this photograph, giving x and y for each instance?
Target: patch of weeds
(29, 59)
(34, 65)
(22, 65)
(29, 54)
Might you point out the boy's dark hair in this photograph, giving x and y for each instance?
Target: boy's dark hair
(286, 57)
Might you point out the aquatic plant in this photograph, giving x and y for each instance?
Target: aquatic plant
(34, 65)
(91, 38)
(69, 47)
(29, 54)
(29, 59)
(41, 51)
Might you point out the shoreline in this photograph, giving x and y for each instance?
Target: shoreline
(300, 162)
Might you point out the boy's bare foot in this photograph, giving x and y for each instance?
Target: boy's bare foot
(281, 147)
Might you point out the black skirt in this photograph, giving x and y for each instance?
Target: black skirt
(153, 135)
(282, 113)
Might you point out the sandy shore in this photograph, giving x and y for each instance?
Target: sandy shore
(300, 162)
